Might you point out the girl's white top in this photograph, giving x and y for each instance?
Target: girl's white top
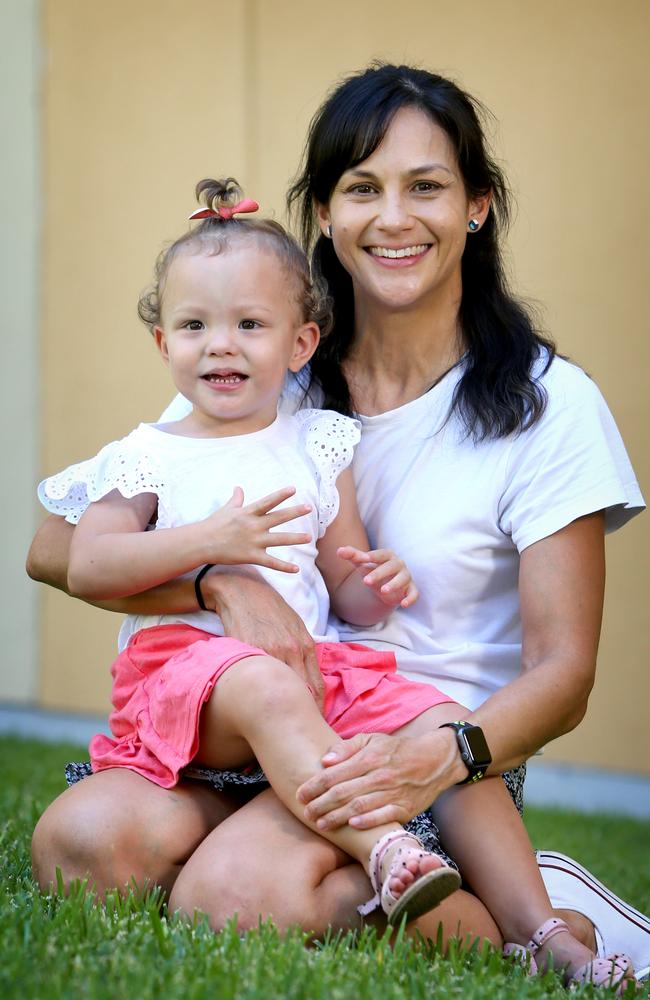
(193, 477)
(461, 513)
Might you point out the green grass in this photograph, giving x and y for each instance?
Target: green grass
(55, 948)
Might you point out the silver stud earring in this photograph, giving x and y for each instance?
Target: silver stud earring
(328, 232)
(473, 225)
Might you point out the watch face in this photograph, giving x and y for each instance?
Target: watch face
(477, 746)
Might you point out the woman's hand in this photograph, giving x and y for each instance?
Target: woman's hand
(374, 778)
(251, 611)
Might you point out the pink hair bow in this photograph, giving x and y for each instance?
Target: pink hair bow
(226, 211)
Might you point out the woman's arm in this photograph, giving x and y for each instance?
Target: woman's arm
(561, 591)
(378, 778)
(48, 559)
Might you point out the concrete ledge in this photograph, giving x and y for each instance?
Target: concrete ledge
(564, 786)
(587, 790)
(50, 727)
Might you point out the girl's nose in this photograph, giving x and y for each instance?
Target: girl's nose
(220, 341)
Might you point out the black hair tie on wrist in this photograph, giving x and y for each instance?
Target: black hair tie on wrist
(197, 585)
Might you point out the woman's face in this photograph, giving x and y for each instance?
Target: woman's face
(399, 218)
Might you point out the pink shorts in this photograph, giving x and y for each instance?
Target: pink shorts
(166, 674)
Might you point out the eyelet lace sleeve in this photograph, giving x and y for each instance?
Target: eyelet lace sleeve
(329, 440)
(122, 465)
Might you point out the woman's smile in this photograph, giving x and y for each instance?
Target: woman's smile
(402, 211)
(399, 256)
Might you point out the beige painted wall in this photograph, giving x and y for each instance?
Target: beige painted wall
(20, 204)
(142, 99)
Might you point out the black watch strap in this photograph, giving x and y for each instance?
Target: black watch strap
(473, 749)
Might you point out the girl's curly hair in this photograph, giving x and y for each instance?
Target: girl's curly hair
(216, 235)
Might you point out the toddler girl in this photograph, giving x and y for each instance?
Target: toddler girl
(232, 311)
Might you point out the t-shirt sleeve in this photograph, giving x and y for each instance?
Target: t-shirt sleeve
(572, 462)
(329, 440)
(121, 465)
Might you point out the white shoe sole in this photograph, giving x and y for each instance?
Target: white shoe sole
(619, 926)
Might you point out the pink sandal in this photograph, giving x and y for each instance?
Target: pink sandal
(610, 971)
(420, 897)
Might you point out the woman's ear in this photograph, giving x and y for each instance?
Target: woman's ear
(479, 207)
(161, 342)
(307, 339)
(324, 218)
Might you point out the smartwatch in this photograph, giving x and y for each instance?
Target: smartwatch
(473, 749)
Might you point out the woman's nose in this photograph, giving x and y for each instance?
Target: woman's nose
(395, 212)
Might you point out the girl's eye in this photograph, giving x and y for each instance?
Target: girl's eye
(248, 324)
(193, 324)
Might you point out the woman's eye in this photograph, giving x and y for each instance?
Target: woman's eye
(426, 187)
(248, 324)
(361, 189)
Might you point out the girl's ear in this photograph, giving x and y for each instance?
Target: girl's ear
(307, 339)
(323, 216)
(161, 342)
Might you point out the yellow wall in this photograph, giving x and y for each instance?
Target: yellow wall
(142, 99)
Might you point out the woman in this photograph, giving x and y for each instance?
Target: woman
(478, 455)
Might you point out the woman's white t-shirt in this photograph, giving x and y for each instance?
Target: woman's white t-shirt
(461, 513)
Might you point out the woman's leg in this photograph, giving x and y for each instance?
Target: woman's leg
(263, 863)
(261, 708)
(116, 828)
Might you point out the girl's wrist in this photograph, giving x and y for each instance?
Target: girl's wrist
(197, 586)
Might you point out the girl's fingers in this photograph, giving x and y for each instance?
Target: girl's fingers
(353, 555)
(265, 504)
(412, 595)
(386, 572)
(273, 518)
(286, 538)
(400, 581)
(270, 562)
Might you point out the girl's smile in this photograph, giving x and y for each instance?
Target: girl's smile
(231, 328)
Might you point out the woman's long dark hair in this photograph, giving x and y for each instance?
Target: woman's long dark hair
(497, 393)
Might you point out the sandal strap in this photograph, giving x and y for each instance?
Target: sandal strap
(608, 971)
(522, 955)
(374, 867)
(379, 850)
(548, 930)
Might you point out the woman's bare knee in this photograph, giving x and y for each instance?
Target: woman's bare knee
(117, 829)
(263, 864)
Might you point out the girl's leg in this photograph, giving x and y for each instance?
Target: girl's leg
(116, 828)
(261, 708)
(262, 863)
(485, 834)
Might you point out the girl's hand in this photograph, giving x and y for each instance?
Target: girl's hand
(374, 778)
(251, 611)
(385, 573)
(240, 535)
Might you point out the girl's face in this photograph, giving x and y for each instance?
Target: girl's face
(230, 330)
(399, 218)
